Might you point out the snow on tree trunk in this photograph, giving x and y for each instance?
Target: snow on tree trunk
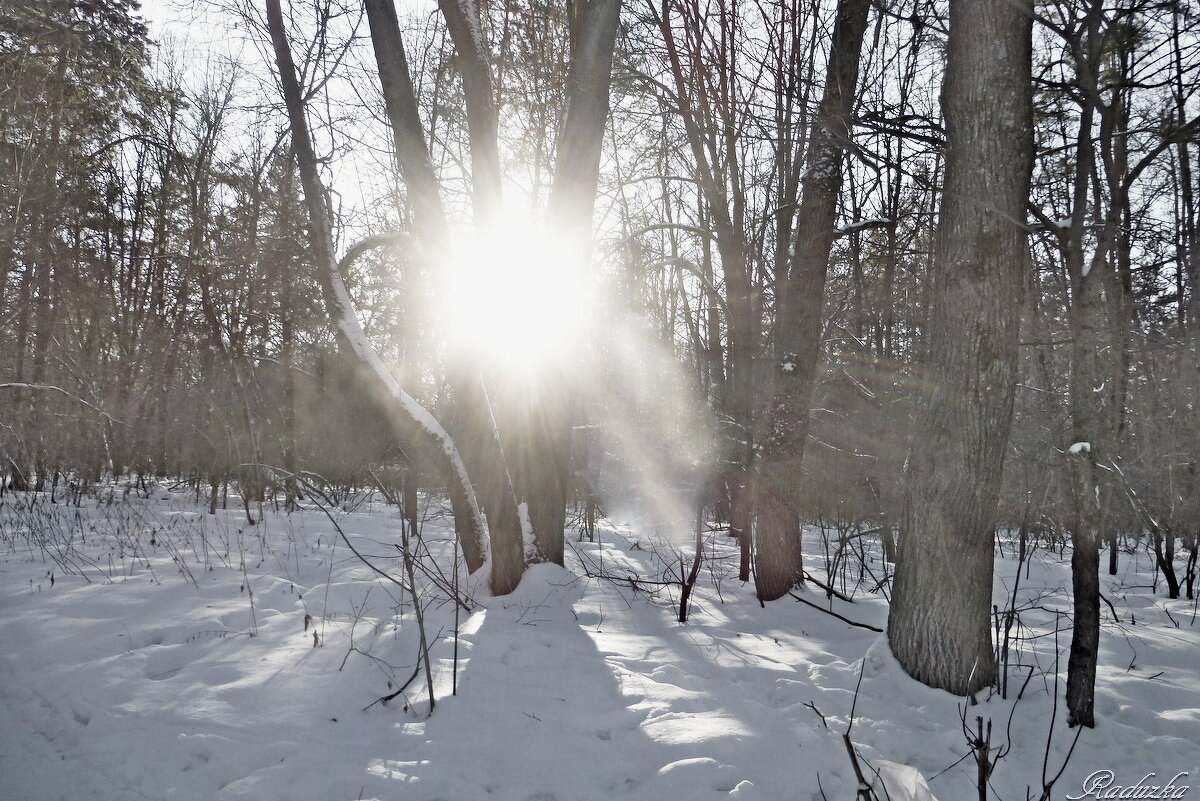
(406, 415)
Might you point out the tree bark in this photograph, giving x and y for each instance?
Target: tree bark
(778, 559)
(483, 117)
(1085, 591)
(408, 135)
(939, 629)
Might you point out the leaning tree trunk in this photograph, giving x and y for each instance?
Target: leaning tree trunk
(777, 557)
(941, 606)
(405, 415)
(432, 231)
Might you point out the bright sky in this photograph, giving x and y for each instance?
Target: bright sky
(181, 19)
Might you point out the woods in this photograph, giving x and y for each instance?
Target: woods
(926, 270)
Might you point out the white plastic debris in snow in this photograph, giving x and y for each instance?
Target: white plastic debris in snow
(900, 782)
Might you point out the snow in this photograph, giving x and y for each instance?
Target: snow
(134, 675)
(860, 225)
(528, 540)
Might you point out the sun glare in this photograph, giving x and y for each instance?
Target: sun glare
(518, 296)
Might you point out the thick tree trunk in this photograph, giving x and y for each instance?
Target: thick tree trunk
(777, 557)
(577, 161)
(939, 628)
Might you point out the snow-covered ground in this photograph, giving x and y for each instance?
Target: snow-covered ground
(171, 660)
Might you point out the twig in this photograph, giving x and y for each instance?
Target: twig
(864, 787)
(865, 793)
(406, 535)
(1111, 608)
(813, 707)
(60, 390)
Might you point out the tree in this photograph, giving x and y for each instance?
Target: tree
(939, 627)
(407, 417)
(526, 438)
(532, 423)
(777, 563)
(72, 74)
(1110, 145)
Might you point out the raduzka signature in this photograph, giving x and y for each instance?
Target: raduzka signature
(1102, 785)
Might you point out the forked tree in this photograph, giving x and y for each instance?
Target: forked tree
(406, 417)
(525, 466)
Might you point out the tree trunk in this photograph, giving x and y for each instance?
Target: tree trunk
(546, 462)
(408, 136)
(1087, 326)
(407, 417)
(777, 555)
(483, 121)
(1085, 590)
(939, 628)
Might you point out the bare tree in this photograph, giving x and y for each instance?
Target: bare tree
(777, 563)
(939, 628)
(405, 414)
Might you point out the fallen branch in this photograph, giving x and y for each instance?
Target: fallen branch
(386, 698)
(829, 589)
(835, 614)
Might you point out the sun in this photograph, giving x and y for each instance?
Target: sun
(518, 296)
